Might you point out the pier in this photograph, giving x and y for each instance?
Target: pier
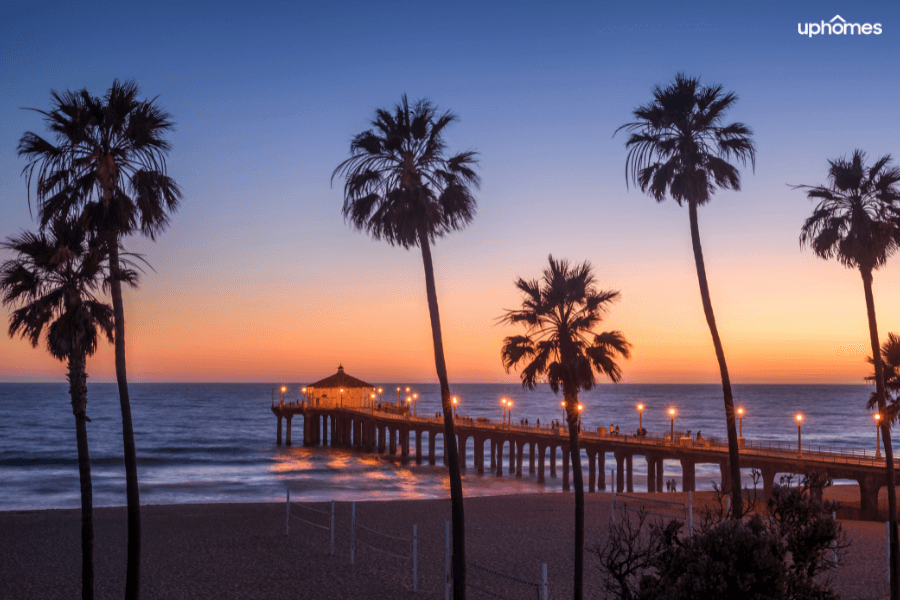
(369, 430)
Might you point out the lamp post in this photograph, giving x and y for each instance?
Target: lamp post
(503, 402)
(407, 390)
(342, 397)
(408, 406)
(580, 408)
(380, 391)
(372, 399)
(398, 396)
(563, 404)
(672, 415)
(283, 390)
(455, 402)
(740, 412)
(877, 435)
(509, 413)
(799, 418)
(640, 408)
(305, 395)
(416, 404)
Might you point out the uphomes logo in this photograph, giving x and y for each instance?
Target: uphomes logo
(838, 26)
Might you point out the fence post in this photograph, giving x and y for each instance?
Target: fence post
(690, 512)
(415, 559)
(332, 527)
(447, 563)
(352, 531)
(287, 512)
(834, 542)
(544, 592)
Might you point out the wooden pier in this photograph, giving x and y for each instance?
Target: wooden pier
(370, 430)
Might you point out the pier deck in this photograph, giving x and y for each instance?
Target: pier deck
(370, 430)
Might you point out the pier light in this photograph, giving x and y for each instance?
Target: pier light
(398, 397)
(509, 408)
(672, 416)
(877, 417)
(799, 418)
(342, 397)
(640, 408)
(380, 391)
(740, 412)
(455, 403)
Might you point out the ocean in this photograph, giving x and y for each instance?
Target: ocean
(200, 443)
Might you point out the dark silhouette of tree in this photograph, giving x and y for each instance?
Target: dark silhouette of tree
(400, 186)
(52, 281)
(857, 222)
(890, 361)
(680, 147)
(107, 165)
(559, 313)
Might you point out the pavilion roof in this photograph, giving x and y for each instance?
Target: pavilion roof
(341, 380)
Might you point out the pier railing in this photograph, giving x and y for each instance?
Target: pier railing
(819, 452)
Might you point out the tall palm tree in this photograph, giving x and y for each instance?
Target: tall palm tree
(680, 147)
(890, 360)
(52, 280)
(857, 221)
(107, 164)
(400, 186)
(559, 313)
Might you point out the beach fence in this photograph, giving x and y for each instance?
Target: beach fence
(311, 513)
(510, 588)
(375, 537)
(663, 509)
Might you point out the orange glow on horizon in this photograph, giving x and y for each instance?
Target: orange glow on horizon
(213, 333)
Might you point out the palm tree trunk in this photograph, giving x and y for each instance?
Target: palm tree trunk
(133, 567)
(885, 433)
(78, 392)
(737, 505)
(578, 480)
(456, 493)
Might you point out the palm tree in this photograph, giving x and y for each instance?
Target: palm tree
(107, 165)
(559, 313)
(400, 186)
(52, 281)
(857, 221)
(890, 361)
(680, 147)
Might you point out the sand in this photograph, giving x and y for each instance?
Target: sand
(240, 551)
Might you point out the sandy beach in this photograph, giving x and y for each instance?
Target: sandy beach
(240, 551)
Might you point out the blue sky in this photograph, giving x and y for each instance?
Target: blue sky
(266, 97)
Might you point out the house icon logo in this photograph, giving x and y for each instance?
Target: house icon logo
(838, 26)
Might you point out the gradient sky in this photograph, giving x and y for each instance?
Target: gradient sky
(259, 279)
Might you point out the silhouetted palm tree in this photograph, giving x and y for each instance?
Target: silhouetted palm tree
(108, 165)
(857, 221)
(400, 186)
(890, 361)
(559, 313)
(680, 147)
(52, 280)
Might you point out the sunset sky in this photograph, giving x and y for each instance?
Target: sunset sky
(259, 279)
